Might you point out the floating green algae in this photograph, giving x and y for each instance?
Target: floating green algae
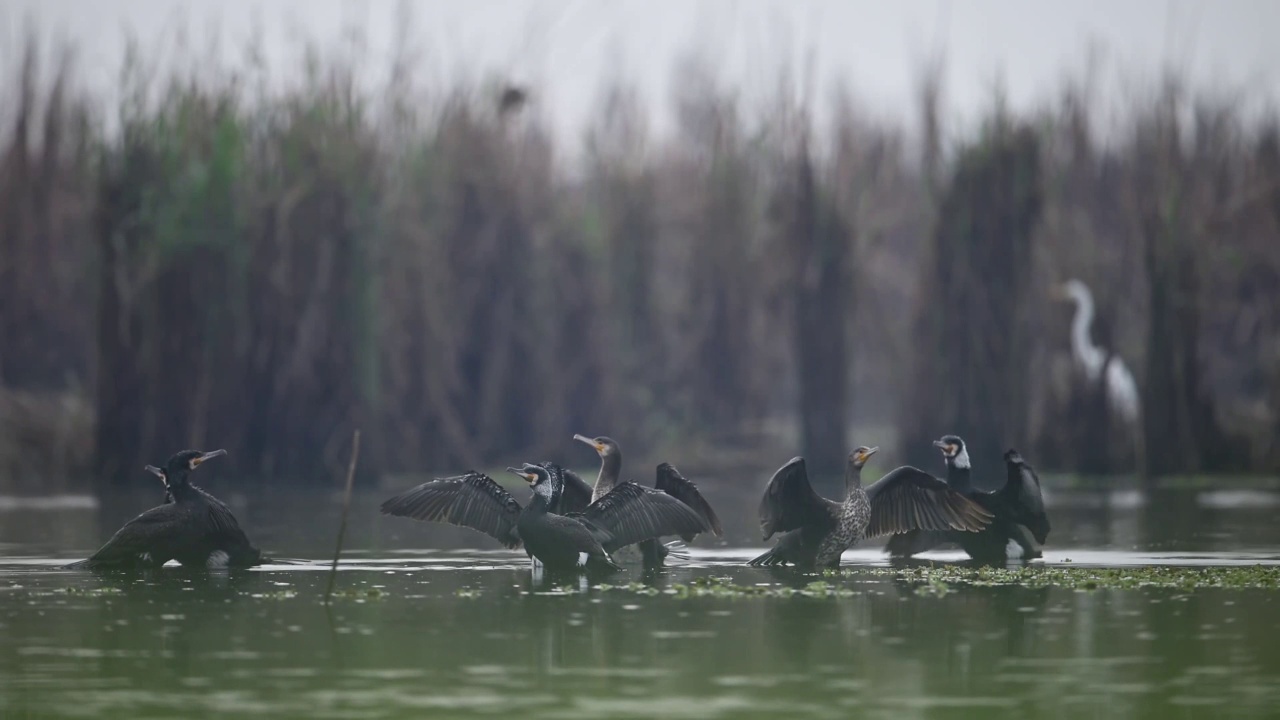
(940, 580)
(1087, 578)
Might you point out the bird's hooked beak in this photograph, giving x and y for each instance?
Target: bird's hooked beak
(198, 461)
(157, 472)
(862, 455)
(947, 448)
(598, 447)
(529, 477)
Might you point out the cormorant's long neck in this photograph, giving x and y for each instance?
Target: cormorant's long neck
(180, 489)
(958, 473)
(539, 505)
(546, 495)
(610, 470)
(852, 481)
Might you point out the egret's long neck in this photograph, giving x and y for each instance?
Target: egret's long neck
(610, 470)
(1081, 344)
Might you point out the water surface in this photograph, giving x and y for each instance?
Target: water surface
(433, 621)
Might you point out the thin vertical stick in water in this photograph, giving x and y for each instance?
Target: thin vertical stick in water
(346, 506)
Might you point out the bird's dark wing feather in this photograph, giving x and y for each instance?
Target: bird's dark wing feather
(789, 502)
(911, 499)
(232, 538)
(577, 494)
(220, 515)
(916, 541)
(473, 500)
(136, 537)
(630, 513)
(671, 482)
(1021, 496)
(578, 532)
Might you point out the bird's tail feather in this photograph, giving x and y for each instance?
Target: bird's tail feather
(770, 557)
(656, 553)
(678, 550)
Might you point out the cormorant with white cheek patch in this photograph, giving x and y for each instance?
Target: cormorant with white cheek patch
(1018, 508)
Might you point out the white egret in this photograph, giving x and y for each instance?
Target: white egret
(1121, 389)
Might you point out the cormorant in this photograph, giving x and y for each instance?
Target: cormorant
(817, 530)
(1018, 508)
(626, 515)
(192, 527)
(668, 480)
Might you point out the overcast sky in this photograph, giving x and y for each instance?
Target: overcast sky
(567, 48)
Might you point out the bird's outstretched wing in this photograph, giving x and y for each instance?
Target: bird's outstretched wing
(789, 502)
(630, 513)
(911, 499)
(232, 538)
(1021, 495)
(577, 493)
(671, 482)
(472, 500)
(131, 545)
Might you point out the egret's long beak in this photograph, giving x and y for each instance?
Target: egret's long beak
(528, 477)
(207, 456)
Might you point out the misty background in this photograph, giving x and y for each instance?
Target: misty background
(723, 233)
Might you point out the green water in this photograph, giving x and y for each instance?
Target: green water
(452, 632)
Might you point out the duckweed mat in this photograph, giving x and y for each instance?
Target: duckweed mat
(939, 580)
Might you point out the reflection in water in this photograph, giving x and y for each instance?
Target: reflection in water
(414, 633)
(402, 638)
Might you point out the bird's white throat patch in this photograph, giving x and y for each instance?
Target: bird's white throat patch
(961, 460)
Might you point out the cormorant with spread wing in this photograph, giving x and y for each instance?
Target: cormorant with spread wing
(669, 480)
(558, 538)
(816, 531)
(192, 527)
(1018, 508)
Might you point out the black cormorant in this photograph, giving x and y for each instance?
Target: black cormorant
(626, 515)
(817, 530)
(1018, 508)
(668, 480)
(192, 527)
